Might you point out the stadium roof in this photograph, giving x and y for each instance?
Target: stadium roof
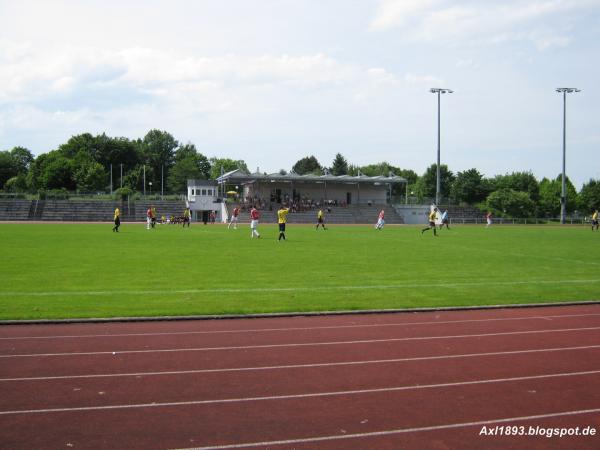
(239, 176)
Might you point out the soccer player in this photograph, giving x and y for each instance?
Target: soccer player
(445, 220)
(380, 221)
(153, 216)
(254, 216)
(186, 217)
(320, 220)
(281, 220)
(595, 220)
(488, 218)
(117, 219)
(432, 216)
(149, 218)
(234, 218)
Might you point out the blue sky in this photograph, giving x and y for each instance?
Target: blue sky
(271, 81)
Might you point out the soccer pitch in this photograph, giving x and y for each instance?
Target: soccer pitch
(85, 270)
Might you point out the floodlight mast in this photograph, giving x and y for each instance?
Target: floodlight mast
(438, 91)
(563, 195)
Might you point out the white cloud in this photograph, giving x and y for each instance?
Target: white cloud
(471, 22)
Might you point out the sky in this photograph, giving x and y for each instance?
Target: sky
(273, 81)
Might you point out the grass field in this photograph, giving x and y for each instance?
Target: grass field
(85, 270)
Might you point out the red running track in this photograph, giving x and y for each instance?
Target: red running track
(379, 381)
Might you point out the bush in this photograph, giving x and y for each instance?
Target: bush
(123, 193)
(510, 203)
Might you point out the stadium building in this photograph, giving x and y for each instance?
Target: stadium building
(325, 189)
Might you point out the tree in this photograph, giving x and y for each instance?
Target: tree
(518, 181)
(16, 184)
(426, 185)
(158, 151)
(589, 197)
(56, 172)
(227, 164)
(306, 165)
(7, 168)
(90, 176)
(339, 165)
(469, 187)
(22, 159)
(191, 167)
(549, 197)
(511, 203)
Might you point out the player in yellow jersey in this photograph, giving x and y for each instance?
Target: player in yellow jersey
(281, 220)
(595, 220)
(186, 217)
(320, 219)
(432, 216)
(117, 219)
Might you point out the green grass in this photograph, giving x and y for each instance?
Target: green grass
(83, 270)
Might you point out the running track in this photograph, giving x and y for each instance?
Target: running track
(377, 381)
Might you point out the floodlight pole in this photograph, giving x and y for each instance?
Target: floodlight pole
(438, 91)
(563, 194)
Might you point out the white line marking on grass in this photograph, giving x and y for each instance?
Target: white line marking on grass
(296, 396)
(399, 430)
(328, 327)
(303, 366)
(290, 289)
(302, 344)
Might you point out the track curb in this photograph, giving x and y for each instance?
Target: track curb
(289, 314)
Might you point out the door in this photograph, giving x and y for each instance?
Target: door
(348, 198)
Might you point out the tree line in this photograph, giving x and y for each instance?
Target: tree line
(84, 163)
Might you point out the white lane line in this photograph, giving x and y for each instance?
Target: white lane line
(304, 344)
(303, 366)
(401, 430)
(329, 327)
(433, 284)
(300, 396)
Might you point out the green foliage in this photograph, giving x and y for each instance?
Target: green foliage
(469, 187)
(589, 197)
(227, 165)
(510, 203)
(339, 165)
(16, 184)
(123, 193)
(22, 159)
(518, 181)
(308, 165)
(426, 185)
(52, 171)
(91, 177)
(549, 197)
(158, 151)
(191, 167)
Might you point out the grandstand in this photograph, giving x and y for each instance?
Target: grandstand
(84, 210)
(351, 214)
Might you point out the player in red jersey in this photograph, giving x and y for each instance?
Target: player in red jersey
(234, 218)
(254, 216)
(380, 221)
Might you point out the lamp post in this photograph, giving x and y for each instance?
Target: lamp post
(438, 91)
(150, 184)
(563, 194)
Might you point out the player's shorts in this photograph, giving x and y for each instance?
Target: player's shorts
(445, 221)
(319, 220)
(594, 222)
(253, 224)
(282, 227)
(432, 224)
(234, 218)
(118, 221)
